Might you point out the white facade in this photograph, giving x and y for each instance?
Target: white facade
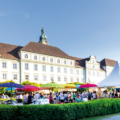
(44, 68)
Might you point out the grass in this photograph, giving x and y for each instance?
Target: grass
(101, 117)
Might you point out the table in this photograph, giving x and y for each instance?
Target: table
(40, 101)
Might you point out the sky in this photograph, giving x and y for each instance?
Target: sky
(80, 28)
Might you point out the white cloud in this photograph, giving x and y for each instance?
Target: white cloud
(3, 14)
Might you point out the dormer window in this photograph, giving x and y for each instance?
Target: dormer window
(92, 61)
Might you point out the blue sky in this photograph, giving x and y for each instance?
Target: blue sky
(78, 27)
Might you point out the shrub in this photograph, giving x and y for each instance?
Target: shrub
(71, 111)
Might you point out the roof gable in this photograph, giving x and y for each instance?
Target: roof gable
(9, 51)
(45, 49)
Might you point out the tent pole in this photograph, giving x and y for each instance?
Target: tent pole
(11, 93)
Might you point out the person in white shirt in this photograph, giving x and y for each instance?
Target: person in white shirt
(37, 96)
(20, 98)
(3, 96)
(61, 97)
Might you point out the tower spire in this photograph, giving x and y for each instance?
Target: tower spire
(43, 37)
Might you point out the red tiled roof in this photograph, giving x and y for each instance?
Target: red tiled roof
(9, 51)
(45, 49)
(107, 62)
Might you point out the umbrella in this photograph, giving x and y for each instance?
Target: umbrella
(88, 85)
(9, 88)
(69, 85)
(11, 84)
(28, 88)
(77, 86)
(52, 85)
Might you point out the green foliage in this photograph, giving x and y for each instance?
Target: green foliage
(30, 83)
(77, 83)
(71, 111)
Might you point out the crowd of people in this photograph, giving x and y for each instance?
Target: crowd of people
(62, 97)
(56, 98)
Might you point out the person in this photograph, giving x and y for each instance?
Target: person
(36, 95)
(51, 98)
(41, 96)
(7, 97)
(89, 95)
(113, 94)
(25, 97)
(73, 97)
(66, 97)
(57, 97)
(20, 98)
(61, 97)
(81, 96)
(30, 97)
(116, 94)
(3, 96)
(94, 95)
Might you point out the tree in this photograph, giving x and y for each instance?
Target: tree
(30, 83)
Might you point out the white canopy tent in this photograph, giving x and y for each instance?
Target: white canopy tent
(113, 78)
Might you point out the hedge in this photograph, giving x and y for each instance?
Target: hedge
(71, 111)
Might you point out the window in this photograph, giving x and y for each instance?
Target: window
(26, 66)
(51, 68)
(82, 80)
(97, 73)
(52, 78)
(44, 68)
(58, 61)
(77, 80)
(64, 61)
(89, 73)
(44, 78)
(71, 63)
(88, 80)
(35, 67)
(14, 66)
(26, 55)
(15, 76)
(77, 72)
(51, 60)
(36, 77)
(35, 57)
(93, 66)
(26, 77)
(71, 79)
(92, 61)
(4, 76)
(93, 73)
(65, 79)
(71, 71)
(43, 58)
(65, 70)
(58, 69)
(4, 64)
(82, 72)
(58, 78)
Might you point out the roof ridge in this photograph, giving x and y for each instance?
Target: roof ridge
(10, 44)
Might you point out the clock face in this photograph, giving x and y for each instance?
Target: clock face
(26, 56)
(58, 61)
(51, 60)
(35, 57)
(43, 58)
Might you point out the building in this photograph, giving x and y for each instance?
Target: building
(40, 62)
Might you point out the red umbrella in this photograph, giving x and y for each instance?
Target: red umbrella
(88, 85)
(28, 88)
